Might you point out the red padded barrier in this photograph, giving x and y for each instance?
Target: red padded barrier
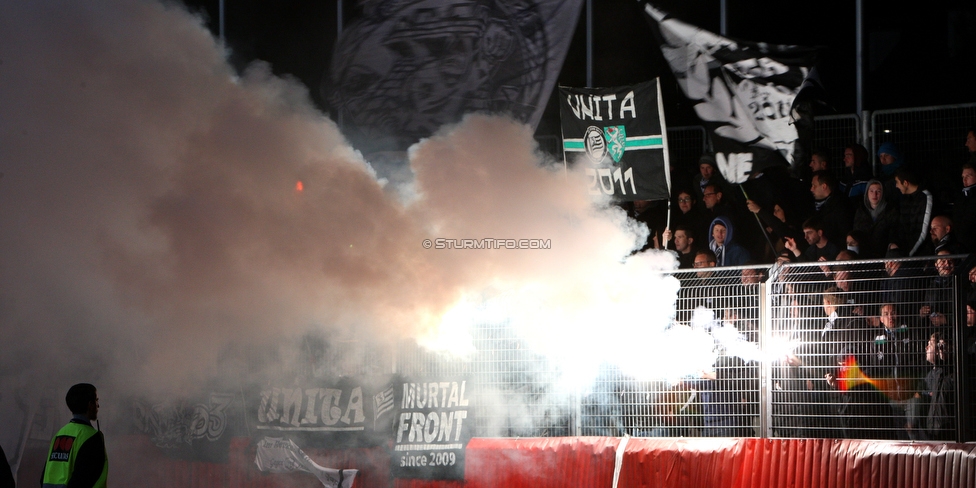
(574, 462)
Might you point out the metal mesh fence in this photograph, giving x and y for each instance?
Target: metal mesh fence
(930, 139)
(826, 350)
(514, 390)
(685, 147)
(832, 134)
(850, 353)
(720, 400)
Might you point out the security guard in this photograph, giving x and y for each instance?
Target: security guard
(77, 456)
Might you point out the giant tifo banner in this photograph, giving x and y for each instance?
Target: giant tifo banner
(619, 136)
(743, 92)
(403, 69)
(432, 429)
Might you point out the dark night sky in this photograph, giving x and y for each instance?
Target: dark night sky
(913, 57)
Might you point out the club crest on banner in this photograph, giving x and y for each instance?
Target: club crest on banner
(596, 146)
(616, 141)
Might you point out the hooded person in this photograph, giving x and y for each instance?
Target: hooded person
(875, 219)
(721, 241)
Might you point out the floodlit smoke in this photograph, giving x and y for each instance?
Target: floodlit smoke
(163, 216)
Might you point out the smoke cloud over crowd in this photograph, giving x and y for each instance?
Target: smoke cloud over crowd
(157, 208)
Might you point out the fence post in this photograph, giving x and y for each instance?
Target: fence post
(866, 126)
(959, 362)
(576, 419)
(765, 365)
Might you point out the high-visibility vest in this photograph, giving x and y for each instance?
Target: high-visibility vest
(63, 452)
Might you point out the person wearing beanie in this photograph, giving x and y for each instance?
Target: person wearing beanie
(890, 158)
(708, 173)
(889, 162)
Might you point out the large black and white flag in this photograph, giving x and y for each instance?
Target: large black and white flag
(620, 137)
(743, 92)
(404, 68)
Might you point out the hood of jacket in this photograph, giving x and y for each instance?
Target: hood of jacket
(884, 198)
(728, 230)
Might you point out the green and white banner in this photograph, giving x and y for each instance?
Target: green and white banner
(619, 136)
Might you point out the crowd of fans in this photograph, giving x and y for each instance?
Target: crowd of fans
(815, 212)
(857, 350)
(872, 342)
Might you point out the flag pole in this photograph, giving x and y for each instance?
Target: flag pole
(761, 226)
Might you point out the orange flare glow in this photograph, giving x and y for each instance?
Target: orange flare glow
(852, 376)
(299, 186)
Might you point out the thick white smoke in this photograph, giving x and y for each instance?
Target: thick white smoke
(152, 218)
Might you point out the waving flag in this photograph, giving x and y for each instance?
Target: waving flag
(620, 137)
(743, 92)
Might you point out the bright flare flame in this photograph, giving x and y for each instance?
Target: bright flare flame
(583, 327)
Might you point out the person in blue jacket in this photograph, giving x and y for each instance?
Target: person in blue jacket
(721, 242)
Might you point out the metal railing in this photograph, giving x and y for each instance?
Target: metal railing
(851, 355)
(777, 369)
(930, 140)
(833, 133)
